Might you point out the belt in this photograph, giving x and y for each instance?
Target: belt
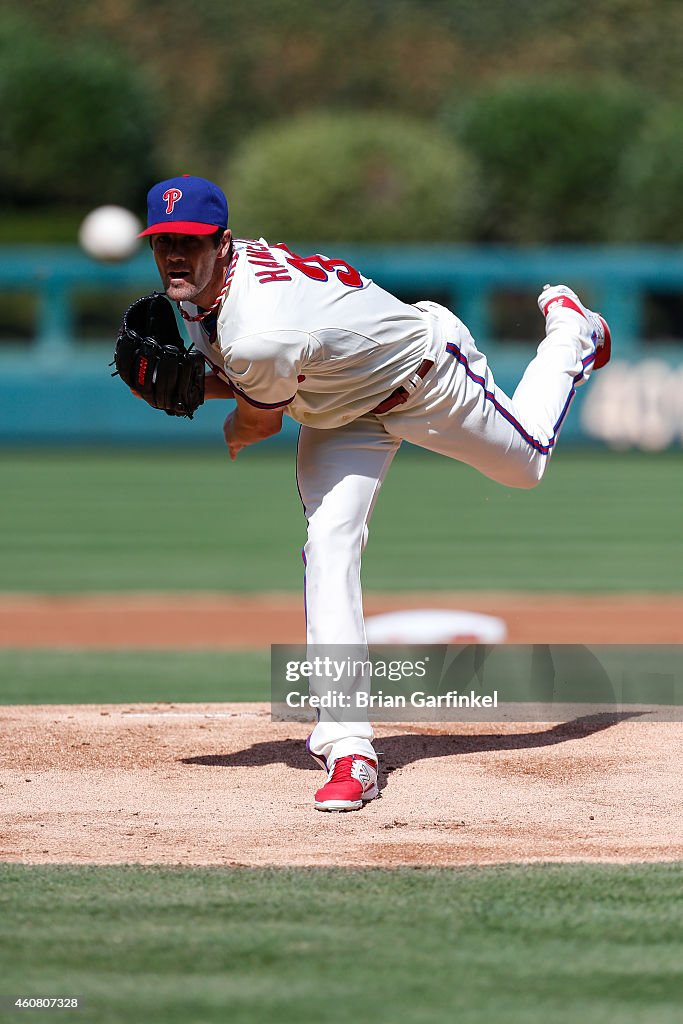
(403, 393)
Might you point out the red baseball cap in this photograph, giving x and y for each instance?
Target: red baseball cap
(185, 206)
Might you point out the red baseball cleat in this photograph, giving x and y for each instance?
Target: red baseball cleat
(556, 295)
(351, 782)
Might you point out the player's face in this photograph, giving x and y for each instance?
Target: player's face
(190, 266)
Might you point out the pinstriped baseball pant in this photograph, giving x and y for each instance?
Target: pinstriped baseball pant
(459, 412)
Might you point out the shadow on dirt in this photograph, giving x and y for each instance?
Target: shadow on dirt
(404, 749)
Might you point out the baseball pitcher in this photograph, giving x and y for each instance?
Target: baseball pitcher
(361, 371)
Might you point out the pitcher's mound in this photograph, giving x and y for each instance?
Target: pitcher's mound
(222, 784)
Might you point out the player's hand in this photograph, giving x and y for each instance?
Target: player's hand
(247, 425)
(230, 435)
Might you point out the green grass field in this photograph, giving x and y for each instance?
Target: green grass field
(571, 944)
(123, 677)
(161, 520)
(594, 945)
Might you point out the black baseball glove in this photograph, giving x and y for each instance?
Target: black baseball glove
(152, 360)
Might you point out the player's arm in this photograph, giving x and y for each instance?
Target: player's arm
(249, 424)
(214, 387)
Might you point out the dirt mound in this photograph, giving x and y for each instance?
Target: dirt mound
(222, 784)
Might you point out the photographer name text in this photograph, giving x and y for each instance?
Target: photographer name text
(417, 699)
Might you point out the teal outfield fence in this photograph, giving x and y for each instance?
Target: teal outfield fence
(61, 312)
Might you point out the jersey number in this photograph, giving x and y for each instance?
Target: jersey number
(319, 268)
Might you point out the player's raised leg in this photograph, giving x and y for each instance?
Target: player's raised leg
(462, 413)
(561, 365)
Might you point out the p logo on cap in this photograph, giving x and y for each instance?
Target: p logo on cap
(171, 195)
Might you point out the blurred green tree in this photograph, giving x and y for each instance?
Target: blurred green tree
(547, 154)
(222, 68)
(78, 123)
(351, 177)
(647, 203)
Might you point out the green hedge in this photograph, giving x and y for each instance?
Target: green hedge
(648, 198)
(78, 122)
(548, 155)
(351, 177)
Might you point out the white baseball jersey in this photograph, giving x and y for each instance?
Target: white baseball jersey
(311, 335)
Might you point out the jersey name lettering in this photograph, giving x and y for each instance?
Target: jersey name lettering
(279, 274)
(259, 255)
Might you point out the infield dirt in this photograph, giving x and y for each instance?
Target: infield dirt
(222, 784)
(218, 621)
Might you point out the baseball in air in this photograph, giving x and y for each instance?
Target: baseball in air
(109, 233)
